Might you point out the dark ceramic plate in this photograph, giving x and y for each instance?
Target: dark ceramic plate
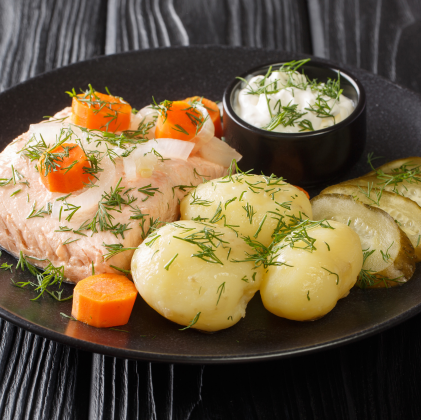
(394, 131)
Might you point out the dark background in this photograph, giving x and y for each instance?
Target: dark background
(376, 378)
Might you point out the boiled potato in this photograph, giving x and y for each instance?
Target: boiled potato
(254, 205)
(187, 273)
(312, 278)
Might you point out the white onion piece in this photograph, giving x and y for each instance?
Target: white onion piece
(90, 197)
(207, 131)
(219, 152)
(50, 131)
(173, 148)
(145, 165)
(145, 115)
(167, 148)
(130, 167)
(93, 141)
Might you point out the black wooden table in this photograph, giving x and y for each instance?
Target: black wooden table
(376, 378)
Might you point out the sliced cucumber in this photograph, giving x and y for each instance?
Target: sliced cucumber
(407, 213)
(399, 166)
(389, 253)
(411, 190)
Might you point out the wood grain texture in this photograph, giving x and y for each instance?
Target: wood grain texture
(134, 24)
(39, 379)
(374, 379)
(39, 35)
(381, 36)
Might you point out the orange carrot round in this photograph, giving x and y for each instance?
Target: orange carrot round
(63, 169)
(213, 111)
(179, 120)
(303, 190)
(104, 300)
(98, 111)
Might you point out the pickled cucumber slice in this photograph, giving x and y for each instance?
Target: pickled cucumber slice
(407, 213)
(412, 163)
(389, 254)
(409, 189)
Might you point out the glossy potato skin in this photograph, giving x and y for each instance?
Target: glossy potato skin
(304, 290)
(233, 199)
(189, 285)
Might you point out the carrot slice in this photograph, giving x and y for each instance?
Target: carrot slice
(213, 111)
(63, 168)
(104, 300)
(303, 190)
(98, 111)
(178, 120)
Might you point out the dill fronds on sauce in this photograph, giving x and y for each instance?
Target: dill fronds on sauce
(305, 102)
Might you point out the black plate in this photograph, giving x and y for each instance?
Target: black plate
(394, 127)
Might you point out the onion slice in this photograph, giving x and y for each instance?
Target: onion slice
(51, 132)
(217, 151)
(88, 200)
(146, 115)
(206, 132)
(167, 148)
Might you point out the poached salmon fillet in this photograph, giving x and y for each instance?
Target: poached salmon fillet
(135, 184)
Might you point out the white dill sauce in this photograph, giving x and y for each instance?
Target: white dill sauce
(286, 101)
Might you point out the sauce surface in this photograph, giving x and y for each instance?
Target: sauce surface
(287, 101)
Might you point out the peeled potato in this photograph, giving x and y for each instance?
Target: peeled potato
(310, 282)
(187, 273)
(254, 205)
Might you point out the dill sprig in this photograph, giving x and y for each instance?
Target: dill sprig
(197, 201)
(368, 277)
(260, 255)
(297, 234)
(286, 116)
(44, 279)
(167, 265)
(249, 212)
(149, 191)
(41, 212)
(334, 274)
(207, 241)
(220, 290)
(115, 249)
(192, 322)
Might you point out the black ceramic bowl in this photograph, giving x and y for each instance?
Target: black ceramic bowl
(309, 158)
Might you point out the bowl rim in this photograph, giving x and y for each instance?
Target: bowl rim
(274, 135)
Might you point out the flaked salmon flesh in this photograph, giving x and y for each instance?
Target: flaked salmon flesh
(40, 237)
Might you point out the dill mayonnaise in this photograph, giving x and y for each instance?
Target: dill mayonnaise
(287, 101)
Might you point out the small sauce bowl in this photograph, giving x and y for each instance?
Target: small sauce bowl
(308, 158)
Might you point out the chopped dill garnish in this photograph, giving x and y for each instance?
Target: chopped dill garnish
(334, 274)
(221, 289)
(192, 322)
(167, 265)
(114, 249)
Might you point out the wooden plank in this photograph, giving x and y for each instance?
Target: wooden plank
(137, 24)
(379, 36)
(39, 35)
